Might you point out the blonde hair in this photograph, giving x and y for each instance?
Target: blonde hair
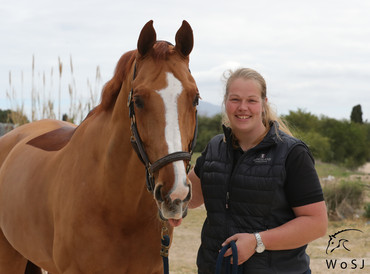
(269, 114)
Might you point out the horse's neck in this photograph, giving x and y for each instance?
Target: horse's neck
(121, 174)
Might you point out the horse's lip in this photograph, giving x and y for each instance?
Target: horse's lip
(174, 222)
(184, 214)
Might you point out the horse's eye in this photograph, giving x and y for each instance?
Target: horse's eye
(139, 103)
(196, 100)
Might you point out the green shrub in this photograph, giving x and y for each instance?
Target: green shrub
(367, 210)
(348, 192)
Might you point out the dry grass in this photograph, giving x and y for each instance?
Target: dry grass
(358, 243)
(186, 241)
(46, 100)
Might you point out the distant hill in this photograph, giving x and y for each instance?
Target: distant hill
(208, 109)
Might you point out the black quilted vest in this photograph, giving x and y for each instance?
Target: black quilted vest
(247, 197)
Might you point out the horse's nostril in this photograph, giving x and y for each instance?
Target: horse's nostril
(158, 194)
(177, 202)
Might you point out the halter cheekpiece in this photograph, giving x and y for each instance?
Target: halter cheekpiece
(137, 144)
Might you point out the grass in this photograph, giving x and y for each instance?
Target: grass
(47, 100)
(326, 169)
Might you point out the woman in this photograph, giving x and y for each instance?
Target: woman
(259, 187)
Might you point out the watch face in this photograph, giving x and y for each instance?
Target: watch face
(260, 246)
(260, 249)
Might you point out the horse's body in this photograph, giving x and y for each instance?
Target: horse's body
(73, 199)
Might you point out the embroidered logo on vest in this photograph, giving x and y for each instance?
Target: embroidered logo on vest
(262, 159)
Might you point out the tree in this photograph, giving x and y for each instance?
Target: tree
(356, 115)
(207, 128)
(348, 141)
(5, 116)
(13, 117)
(301, 120)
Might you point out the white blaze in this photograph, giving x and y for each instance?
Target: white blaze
(172, 133)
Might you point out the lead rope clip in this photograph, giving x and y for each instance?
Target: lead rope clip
(165, 246)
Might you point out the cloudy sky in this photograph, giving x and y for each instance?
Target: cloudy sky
(314, 55)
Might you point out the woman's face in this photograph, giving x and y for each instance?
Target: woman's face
(244, 106)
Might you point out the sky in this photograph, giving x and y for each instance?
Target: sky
(314, 55)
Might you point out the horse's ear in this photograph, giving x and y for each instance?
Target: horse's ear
(184, 39)
(147, 38)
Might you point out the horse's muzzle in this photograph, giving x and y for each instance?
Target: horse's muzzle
(169, 209)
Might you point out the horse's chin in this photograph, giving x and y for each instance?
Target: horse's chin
(172, 222)
(175, 220)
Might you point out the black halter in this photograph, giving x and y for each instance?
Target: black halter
(137, 144)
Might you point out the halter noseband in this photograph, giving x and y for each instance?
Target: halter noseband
(137, 144)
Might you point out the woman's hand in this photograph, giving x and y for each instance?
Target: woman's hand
(246, 245)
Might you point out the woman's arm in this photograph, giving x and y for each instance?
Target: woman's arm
(197, 194)
(310, 223)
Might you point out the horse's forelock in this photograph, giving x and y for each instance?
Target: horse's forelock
(161, 50)
(112, 87)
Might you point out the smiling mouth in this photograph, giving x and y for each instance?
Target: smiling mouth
(243, 117)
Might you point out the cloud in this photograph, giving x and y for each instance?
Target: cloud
(313, 54)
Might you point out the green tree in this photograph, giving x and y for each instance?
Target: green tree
(348, 142)
(318, 144)
(207, 128)
(5, 116)
(13, 117)
(301, 121)
(304, 126)
(331, 140)
(356, 114)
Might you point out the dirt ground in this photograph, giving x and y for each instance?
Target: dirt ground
(186, 241)
(365, 168)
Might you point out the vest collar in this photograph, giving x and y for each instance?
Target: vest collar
(270, 139)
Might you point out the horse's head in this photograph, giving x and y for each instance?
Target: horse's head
(162, 106)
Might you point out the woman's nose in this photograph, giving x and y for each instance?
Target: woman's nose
(243, 105)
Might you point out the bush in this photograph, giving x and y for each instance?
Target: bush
(318, 144)
(207, 128)
(343, 198)
(367, 210)
(341, 142)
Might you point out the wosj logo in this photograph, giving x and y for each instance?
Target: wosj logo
(341, 240)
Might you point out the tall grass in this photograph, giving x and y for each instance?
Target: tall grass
(39, 97)
(17, 106)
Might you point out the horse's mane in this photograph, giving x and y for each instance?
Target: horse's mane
(112, 87)
(161, 51)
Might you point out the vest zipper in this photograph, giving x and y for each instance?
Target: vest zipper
(229, 184)
(227, 199)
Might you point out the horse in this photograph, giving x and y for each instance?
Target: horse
(73, 198)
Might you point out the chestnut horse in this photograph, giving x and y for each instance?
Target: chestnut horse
(73, 199)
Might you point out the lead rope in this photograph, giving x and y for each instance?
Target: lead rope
(221, 258)
(165, 246)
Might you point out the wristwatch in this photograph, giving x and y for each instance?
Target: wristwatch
(260, 246)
